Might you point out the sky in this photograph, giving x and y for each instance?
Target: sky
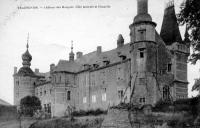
(51, 30)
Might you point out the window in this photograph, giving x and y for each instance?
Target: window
(166, 93)
(60, 79)
(142, 81)
(141, 54)
(94, 99)
(49, 108)
(104, 97)
(84, 99)
(120, 94)
(50, 91)
(142, 100)
(40, 91)
(169, 67)
(45, 107)
(45, 92)
(142, 34)
(68, 95)
(17, 82)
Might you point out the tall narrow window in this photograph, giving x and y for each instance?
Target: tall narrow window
(166, 93)
(120, 94)
(60, 79)
(68, 95)
(104, 97)
(169, 67)
(17, 82)
(85, 99)
(94, 99)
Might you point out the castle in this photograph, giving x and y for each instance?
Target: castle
(150, 68)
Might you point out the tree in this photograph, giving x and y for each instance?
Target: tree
(29, 104)
(190, 15)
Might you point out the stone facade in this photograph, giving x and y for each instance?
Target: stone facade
(148, 69)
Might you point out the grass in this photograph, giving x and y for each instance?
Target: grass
(8, 113)
(94, 122)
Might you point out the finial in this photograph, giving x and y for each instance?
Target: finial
(72, 46)
(169, 3)
(27, 46)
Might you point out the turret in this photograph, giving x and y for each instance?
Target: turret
(71, 54)
(142, 29)
(143, 56)
(170, 32)
(24, 78)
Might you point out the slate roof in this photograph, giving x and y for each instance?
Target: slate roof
(25, 71)
(68, 66)
(170, 30)
(93, 58)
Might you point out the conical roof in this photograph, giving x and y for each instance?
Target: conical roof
(170, 32)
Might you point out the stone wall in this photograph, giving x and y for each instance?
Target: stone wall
(104, 87)
(23, 86)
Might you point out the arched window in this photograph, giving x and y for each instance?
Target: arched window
(166, 93)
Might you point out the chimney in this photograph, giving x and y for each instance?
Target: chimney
(36, 71)
(79, 55)
(120, 41)
(52, 66)
(99, 50)
(15, 70)
(142, 11)
(142, 7)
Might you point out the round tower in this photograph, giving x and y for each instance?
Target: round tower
(143, 60)
(24, 79)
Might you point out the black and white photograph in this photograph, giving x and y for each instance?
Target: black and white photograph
(99, 64)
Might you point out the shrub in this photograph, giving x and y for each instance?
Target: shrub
(29, 105)
(89, 112)
(191, 105)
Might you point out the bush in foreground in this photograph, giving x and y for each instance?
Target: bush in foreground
(29, 105)
(89, 112)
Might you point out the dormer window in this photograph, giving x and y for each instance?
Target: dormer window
(86, 66)
(95, 65)
(106, 62)
(123, 57)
